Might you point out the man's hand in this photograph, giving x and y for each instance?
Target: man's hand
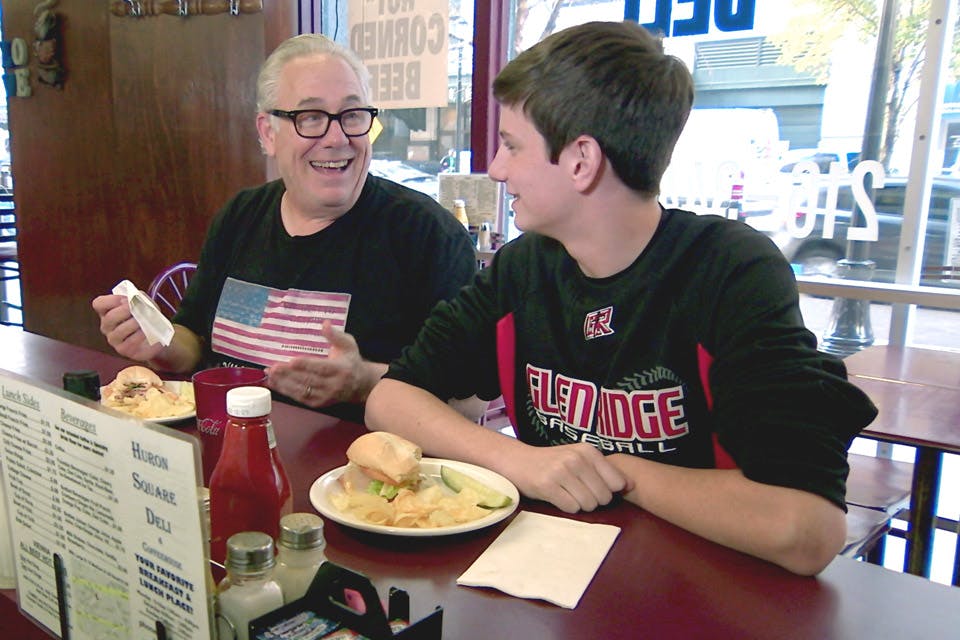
(573, 477)
(122, 331)
(343, 376)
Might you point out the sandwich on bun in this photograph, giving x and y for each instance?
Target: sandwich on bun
(381, 463)
(132, 382)
(140, 392)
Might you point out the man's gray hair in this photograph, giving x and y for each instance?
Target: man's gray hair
(304, 45)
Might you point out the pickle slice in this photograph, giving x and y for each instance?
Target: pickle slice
(490, 498)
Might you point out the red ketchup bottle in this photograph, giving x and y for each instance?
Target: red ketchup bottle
(249, 490)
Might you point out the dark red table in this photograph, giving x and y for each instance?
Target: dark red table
(658, 581)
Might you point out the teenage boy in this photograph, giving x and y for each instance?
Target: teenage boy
(643, 351)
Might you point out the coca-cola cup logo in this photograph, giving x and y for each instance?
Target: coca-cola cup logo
(210, 426)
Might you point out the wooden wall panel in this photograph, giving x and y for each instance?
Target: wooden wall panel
(57, 161)
(119, 173)
(183, 112)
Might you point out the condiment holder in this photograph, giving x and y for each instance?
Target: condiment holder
(340, 599)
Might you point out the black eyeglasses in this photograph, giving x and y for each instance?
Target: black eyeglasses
(314, 123)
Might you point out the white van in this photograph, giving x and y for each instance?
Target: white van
(724, 155)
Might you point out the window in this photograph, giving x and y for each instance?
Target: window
(417, 143)
(777, 139)
(783, 101)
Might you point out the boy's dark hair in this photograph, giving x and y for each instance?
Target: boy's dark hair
(608, 80)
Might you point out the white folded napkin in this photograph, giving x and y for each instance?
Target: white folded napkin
(155, 325)
(544, 557)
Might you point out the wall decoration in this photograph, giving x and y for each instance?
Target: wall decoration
(16, 73)
(183, 8)
(46, 28)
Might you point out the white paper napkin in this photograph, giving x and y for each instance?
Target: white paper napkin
(544, 557)
(155, 325)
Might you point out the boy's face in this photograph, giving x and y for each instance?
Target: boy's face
(540, 188)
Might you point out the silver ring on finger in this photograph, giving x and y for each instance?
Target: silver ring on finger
(307, 391)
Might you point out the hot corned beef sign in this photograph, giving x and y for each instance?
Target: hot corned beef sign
(404, 44)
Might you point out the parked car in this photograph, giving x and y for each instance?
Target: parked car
(815, 254)
(407, 176)
(823, 160)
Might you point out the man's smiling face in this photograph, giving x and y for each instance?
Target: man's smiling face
(323, 176)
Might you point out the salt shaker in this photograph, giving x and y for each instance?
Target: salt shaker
(300, 552)
(483, 237)
(249, 590)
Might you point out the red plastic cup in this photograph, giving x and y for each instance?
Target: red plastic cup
(210, 388)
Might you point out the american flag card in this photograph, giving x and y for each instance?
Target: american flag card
(266, 326)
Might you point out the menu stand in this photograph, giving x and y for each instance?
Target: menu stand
(60, 574)
(74, 466)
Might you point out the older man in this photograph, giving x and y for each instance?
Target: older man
(328, 261)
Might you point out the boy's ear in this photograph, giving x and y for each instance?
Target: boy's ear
(585, 161)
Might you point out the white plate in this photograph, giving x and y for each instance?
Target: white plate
(327, 485)
(177, 386)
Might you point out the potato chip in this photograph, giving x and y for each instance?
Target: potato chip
(430, 507)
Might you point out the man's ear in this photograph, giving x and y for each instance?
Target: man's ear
(266, 132)
(585, 162)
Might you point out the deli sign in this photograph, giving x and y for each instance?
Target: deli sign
(701, 16)
(404, 45)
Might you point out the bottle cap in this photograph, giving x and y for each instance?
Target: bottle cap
(249, 552)
(84, 383)
(301, 531)
(459, 202)
(248, 402)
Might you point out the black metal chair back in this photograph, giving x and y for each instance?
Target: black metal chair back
(9, 259)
